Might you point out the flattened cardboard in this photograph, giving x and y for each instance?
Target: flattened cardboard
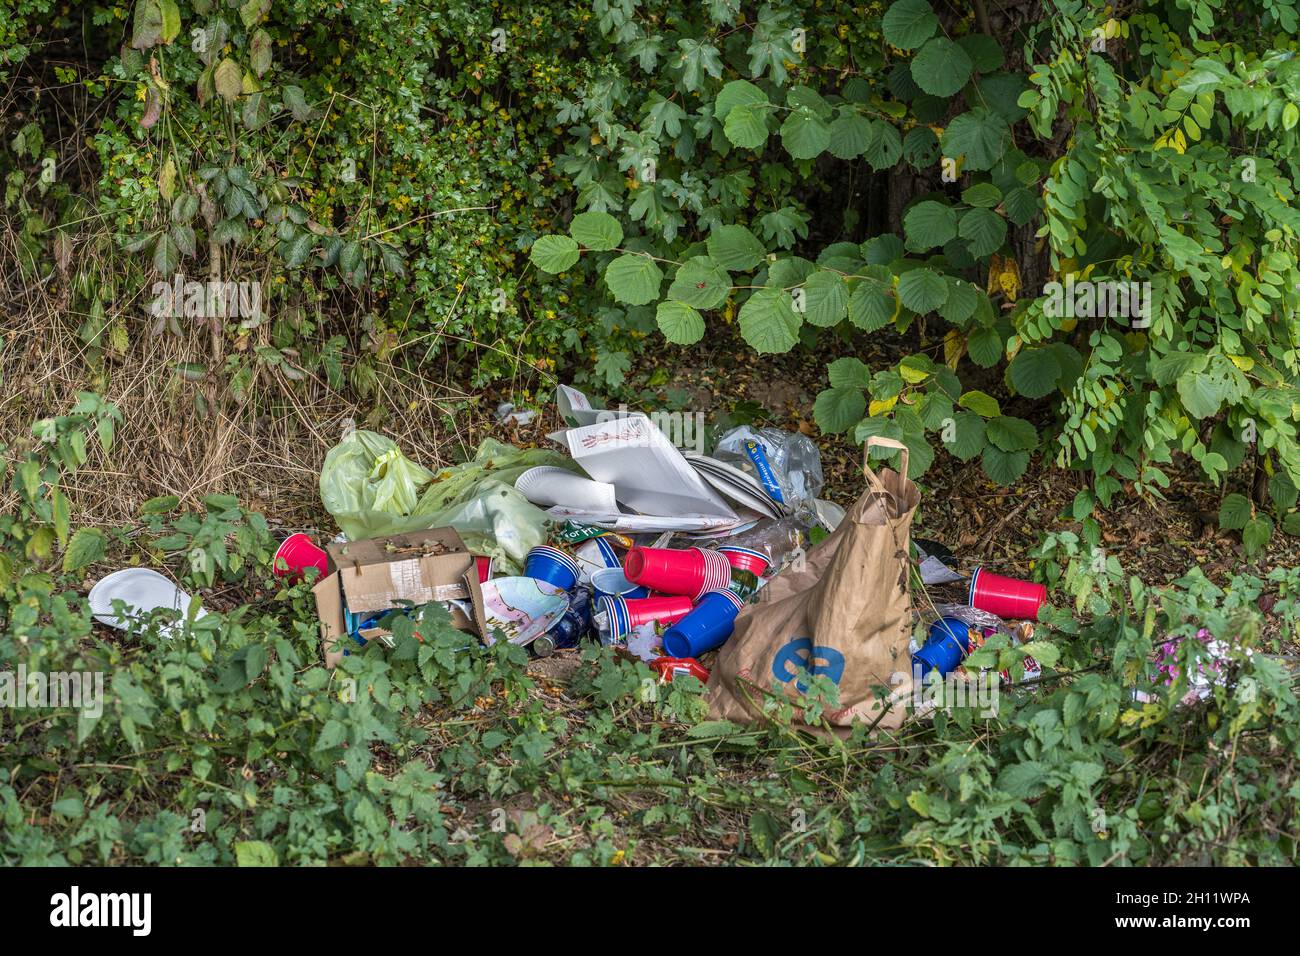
(368, 566)
(419, 567)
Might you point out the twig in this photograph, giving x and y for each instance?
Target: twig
(1001, 523)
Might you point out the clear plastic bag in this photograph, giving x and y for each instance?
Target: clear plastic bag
(795, 463)
(496, 521)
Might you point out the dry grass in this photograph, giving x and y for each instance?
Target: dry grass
(191, 438)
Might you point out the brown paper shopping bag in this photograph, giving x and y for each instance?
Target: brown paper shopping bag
(847, 616)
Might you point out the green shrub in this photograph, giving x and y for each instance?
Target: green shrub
(381, 169)
(1145, 156)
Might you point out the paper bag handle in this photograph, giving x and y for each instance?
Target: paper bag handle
(881, 441)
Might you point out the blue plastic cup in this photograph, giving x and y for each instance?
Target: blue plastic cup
(551, 565)
(614, 609)
(946, 645)
(706, 627)
(612, 582)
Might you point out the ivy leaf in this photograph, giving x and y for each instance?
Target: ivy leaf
(1012, 434)
(871, 306)
(909, 23)
(700, 282)
(979, 135)
(554, 254)
(941, 67)
(1004, 467)
(804, 134)
(87, 546)
(680, 323)
(837, 408)
(929, 224)
(634, 279)
(984, 229)
(826, 298)
(1035, 372)
(598, 231)
(922, 290)
(612, 367)
(1235, 512)
(768, 321)
(735, 248)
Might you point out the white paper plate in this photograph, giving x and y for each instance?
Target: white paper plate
(143, 590)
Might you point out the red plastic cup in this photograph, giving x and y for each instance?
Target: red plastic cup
(1006, 597)
(668, 609)
(484, 565)
(295, 555)
(688, 571)
(624, 615)
(746, 559)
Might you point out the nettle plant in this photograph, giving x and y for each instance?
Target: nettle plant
(1142, 169)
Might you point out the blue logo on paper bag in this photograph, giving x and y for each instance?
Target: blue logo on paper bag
(801, 657)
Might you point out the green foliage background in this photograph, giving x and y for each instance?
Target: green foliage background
(1158, 150)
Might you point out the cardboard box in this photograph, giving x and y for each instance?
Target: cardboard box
(378, 573)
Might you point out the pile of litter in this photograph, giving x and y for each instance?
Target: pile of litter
(632, 542)
(626, 539)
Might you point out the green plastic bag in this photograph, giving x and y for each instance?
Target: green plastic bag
(372, 489)
(479, 500)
